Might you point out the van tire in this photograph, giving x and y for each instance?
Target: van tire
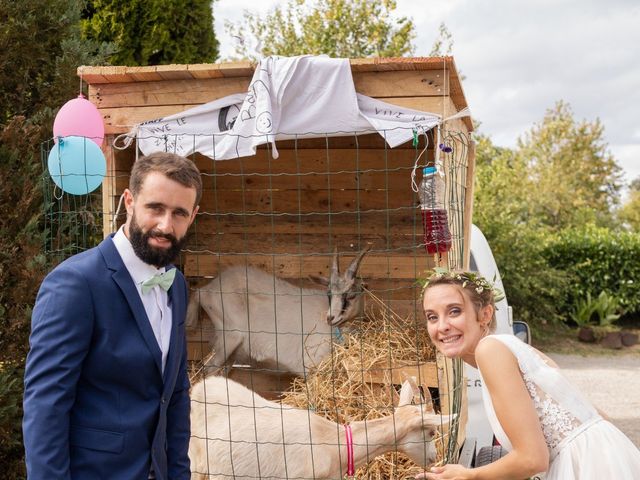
(488, 455)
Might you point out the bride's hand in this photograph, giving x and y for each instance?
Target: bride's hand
(447, 472)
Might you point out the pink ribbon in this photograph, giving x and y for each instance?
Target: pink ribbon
(350, 463)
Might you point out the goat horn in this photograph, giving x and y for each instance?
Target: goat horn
(355, 263)
(335, 270)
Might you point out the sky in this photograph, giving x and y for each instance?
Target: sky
(519, 57)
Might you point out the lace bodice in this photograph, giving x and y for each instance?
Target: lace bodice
(561, 408)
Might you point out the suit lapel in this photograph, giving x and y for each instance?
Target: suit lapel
(124, 281)
(175, 303)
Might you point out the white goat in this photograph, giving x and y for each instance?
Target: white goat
(235, 433)
(262, 320)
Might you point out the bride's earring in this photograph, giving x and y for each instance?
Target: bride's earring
(485, 330)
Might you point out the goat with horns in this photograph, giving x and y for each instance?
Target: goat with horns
(263, 320)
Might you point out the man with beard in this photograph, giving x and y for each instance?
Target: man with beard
(106, 385)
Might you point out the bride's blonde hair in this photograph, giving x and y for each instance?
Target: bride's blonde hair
(480, 291)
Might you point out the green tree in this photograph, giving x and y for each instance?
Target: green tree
(153, 32)
(576, 178)
(40, 49)
(560, 176)
(338, 28)
(504, 205)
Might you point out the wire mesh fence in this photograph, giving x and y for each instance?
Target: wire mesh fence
(319, 354)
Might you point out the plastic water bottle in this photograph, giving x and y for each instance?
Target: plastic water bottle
(437, 237)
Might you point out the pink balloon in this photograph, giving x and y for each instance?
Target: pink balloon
(79, 117)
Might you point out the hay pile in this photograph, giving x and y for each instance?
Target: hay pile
(339, 388)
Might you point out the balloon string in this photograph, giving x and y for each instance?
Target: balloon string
(55, 187)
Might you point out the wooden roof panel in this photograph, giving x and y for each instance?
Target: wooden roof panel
(100, 75)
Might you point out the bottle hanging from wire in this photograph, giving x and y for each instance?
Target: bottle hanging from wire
(437, 237)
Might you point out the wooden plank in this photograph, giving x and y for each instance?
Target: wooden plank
(297, 202)
(113, 74)
(152, 89)
(447, 385)
(139, 74)
(109, 188)
(173, 72)
(357, 65)
(304, 161)
(349, 179)
(162, 93)
(357, 223)
(288, 266)
(110, 74)
(121, 120)
(206, 70)
(267, 243)
(446, 65)
(401, 83)
(425, 373)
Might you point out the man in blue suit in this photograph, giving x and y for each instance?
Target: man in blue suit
(106, 385)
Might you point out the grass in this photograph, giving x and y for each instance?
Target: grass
(564, 339)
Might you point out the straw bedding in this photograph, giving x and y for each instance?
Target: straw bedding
(339, 388)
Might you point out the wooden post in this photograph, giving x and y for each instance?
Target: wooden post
(468, 205)
(109, 187)
(446, 389)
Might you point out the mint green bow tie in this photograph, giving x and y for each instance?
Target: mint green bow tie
(163, 280)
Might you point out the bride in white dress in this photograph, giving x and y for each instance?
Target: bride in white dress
(544, 422)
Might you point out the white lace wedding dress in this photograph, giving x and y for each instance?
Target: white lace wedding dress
(582, 445)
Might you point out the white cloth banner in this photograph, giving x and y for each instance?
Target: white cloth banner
(289, 97)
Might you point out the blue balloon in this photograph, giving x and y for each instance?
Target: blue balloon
(77, 165)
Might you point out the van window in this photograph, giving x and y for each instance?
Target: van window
(473, 266)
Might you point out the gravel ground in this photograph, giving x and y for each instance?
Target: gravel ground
(611, 383)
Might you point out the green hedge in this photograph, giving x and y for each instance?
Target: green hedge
(598, 260)
(11, 451)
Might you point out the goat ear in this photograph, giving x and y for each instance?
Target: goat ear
(355, 263)
(427, 400)
(320, 280)
(406, 394)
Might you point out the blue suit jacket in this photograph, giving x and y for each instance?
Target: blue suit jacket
(96, 405)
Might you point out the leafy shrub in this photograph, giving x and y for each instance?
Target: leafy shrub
(532, 286)
(599, 311)
(606, 308)
(11, 451)
(597, 260)
(583, 312)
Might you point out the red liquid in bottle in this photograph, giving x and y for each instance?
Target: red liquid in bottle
(437, 237)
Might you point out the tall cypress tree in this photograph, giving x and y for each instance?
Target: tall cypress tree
(153, 32)
(40, 49)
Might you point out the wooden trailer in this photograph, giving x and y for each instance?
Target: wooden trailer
(286, 216)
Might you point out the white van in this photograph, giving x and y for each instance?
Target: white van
(479, 448)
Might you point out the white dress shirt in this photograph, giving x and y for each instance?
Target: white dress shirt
(156, 301)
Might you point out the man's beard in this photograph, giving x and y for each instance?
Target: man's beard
(159, 257)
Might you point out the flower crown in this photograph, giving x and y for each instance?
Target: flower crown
(474, 279)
